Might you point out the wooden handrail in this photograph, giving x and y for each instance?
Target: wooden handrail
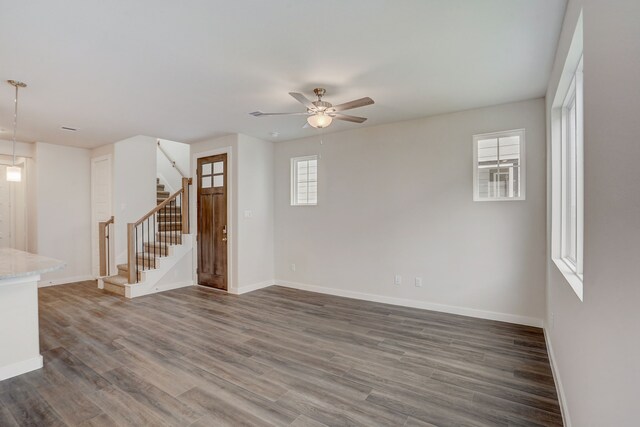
(132, 235)
(104, 246)
(155, 210)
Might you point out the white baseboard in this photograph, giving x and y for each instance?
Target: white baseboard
(425, 305)
(556, 377)
(253, 287)
(65, 280)
(19, 368)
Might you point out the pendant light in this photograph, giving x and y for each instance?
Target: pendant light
(14, 173)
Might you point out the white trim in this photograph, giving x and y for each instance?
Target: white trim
(131, 291)
(253, 287)
(572, 278)
(521, 134)
(19, 368)
(65, 281)
(425, 305)
(562, 399)
(193, 209)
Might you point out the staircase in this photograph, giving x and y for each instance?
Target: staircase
(151, 255)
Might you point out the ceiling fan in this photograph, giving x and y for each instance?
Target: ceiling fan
(321, 113)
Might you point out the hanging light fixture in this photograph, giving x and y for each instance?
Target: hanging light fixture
(14, 173)
(319, 120)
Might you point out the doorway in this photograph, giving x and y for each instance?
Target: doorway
(212, 221)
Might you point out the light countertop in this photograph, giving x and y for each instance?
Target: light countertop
(15, 263)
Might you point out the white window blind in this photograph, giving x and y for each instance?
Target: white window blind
(499, 166)
(304, 181)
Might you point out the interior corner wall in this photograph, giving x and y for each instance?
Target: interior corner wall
(64, 210)
(178, 153)
(595, 344)
(255, 217)
(134, 186)
(398, 199)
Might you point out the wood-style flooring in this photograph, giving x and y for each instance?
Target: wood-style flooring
(274, 357)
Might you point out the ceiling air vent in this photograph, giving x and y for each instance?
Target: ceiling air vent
(69, 129)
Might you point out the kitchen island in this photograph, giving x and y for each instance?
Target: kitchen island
(19, 332)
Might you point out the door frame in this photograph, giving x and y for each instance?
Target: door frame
(231, 229)
(95, 268)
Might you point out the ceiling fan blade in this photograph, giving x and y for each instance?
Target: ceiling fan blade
(260, 113)
(302, 99)
(348, 118)
(353, 104)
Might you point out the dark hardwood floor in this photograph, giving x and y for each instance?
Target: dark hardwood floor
(276, 356)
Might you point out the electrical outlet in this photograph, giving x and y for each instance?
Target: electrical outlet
(398, 279)
(418, 282)
(293, 267)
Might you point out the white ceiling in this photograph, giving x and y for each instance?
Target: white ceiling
(189, 70)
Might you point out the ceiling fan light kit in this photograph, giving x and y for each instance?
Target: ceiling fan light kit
(321, 113)
(319, 120)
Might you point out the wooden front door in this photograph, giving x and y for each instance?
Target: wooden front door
(212, 221)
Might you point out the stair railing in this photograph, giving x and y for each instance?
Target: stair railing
(147, 233)
(104, 246)
(173, 162)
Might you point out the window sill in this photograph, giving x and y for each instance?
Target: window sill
(574, 280)
(498, 199)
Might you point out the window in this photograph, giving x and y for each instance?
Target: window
(566, 122)
(499, 166)
(571, 176)
(304, 181)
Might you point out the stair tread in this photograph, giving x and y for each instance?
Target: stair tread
(116, 280)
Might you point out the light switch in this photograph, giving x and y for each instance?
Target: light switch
(248, 214)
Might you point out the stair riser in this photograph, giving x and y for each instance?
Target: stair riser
(158, 251)
(171, 240)
(114, 289)
(126, 273)
(169, 217)
(171, 207)
(167, 226)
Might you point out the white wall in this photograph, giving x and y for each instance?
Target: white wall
(134, 186)
(397, 199)
(255, 211)
(179, 153)
(64, 210)
(23, 149)
(596, 343)
(250, 174)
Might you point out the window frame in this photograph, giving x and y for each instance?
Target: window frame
(523, 168)
(294, 179)
(573, 98)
